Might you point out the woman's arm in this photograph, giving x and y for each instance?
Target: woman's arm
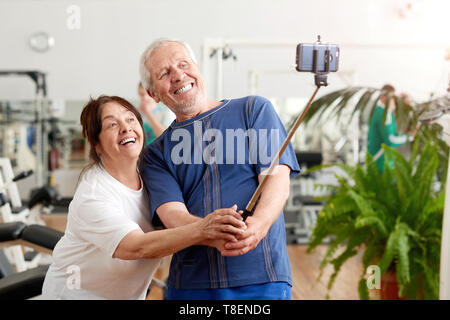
(221, 224)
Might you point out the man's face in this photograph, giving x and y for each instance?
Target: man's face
(176, 79)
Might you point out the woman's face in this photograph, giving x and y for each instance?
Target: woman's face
(121, 137)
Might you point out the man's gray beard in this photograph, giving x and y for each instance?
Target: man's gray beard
(188, 107)
(185, 108)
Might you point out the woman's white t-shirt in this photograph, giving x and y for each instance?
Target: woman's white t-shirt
(102, 212)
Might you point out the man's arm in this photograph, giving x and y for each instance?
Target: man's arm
(268, 209)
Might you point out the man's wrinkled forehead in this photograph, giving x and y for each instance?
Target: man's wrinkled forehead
(173, 52)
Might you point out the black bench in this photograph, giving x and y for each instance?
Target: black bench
(27, 284)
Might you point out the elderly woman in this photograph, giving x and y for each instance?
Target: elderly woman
(109, 250)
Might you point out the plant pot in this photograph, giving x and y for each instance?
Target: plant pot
(389, 287)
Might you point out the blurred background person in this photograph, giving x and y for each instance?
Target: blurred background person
(156, 115)
(385, 132)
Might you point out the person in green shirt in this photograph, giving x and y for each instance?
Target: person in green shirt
(152, 127)
(384, 133)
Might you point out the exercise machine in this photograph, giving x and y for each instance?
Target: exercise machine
(25, 284)
(11, 210)
(39, 107)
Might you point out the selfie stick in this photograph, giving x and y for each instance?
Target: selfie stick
(320, 79)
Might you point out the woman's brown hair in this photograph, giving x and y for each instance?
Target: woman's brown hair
(91, 122)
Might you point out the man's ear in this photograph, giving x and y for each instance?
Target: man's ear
(151, 94)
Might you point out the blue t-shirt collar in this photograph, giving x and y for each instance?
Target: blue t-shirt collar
(184, 123)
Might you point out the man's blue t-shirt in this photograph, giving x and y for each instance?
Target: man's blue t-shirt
(212, 161)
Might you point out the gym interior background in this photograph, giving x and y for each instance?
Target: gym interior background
(56, 54)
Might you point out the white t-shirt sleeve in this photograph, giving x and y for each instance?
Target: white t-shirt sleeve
(101, 223)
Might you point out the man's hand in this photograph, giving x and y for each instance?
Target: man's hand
(271, 203)
(248, 240)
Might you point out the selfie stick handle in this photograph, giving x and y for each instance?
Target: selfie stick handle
(249, 208)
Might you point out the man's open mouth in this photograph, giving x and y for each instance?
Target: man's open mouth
(184, 89)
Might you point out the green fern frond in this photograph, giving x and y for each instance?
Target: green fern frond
(402, 262)
(340, 106)
(389, 253)
(414, 152)
(363, 101)
(356, 238)
(372, 221)
(338, 262)
(425, 187)
(373, 251)
(363, 290)
(320, 104)
(431, 279)
(428, 153)
(402, 174)
(362, 203)
(435, 204)
(374, 178)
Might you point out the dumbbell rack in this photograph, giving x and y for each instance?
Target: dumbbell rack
(9, 196)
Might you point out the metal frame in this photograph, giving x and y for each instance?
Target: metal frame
(40, 103)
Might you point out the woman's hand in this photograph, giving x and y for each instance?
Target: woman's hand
(223, 224)
(248, 240)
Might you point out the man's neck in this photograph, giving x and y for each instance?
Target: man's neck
(210, 104)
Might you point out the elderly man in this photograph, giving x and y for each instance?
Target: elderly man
(213, 156)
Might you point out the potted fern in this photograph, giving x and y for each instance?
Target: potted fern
(395, 217)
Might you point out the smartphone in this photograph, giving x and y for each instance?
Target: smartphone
(307, 63)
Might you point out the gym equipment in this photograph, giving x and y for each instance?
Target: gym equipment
(11, 210)
(26, 284)
(39, 105)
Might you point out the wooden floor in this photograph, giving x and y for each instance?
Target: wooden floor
(305, 270)
(304, 267)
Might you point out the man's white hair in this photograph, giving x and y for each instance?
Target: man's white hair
(143, 71)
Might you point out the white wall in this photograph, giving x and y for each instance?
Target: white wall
(102, 56)
(377, 45)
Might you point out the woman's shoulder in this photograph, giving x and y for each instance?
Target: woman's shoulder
(93, 191)
(94, 183)
(90, 176)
